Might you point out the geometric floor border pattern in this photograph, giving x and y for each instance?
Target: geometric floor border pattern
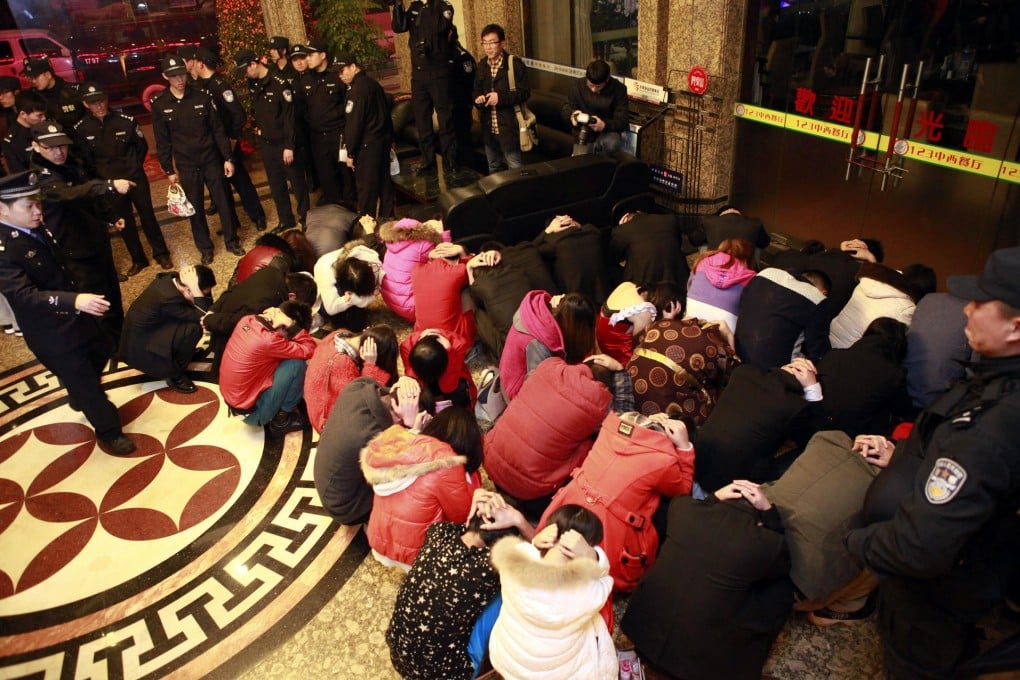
(265, 562)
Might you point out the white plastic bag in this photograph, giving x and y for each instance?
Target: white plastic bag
(394, 162)
(177, 202)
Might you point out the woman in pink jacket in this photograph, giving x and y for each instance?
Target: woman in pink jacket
(420, 479)
(635, 461)
(408, 243)
(718, 280)
(546, 326)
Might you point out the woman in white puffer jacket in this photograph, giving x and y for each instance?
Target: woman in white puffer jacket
(881, 291)
(549, 627)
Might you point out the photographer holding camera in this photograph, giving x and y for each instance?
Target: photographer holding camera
(597, 108)
(429, 22)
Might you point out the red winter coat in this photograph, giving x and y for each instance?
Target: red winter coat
(455, 366)
(547, 430)
(328, 374)
(621, 481)
(437, 286)
(418, 480)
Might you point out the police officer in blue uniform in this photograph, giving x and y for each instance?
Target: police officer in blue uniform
(273, 111)
(189, 134)
(58, 322)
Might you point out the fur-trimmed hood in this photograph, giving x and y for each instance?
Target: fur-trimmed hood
(396, 457)
(407, 230)
(513, 556)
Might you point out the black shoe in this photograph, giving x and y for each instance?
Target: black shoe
(236, 250)
(282, 227)
(451, 169)
(120, 445)
(121, 277)
(135, 268)
(207, 258)
(182, 384)
(165, 262)
(260, 224)
(284, 422)
(211, 210)
(429, 169)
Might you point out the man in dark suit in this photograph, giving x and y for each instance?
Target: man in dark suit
(58, 322)
(728, 222)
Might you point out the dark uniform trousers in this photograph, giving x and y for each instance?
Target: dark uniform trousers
(324, 151)
(80, 371)
(372, 173)
(241, 181)
(211, 176)
(69, 344)
(139, 196)
(278, 173)
(428, 92)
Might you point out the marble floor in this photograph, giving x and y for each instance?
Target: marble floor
(206, 553)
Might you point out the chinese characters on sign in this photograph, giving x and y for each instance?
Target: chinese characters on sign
(979, 136)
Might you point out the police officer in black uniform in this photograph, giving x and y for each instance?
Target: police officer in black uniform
(189, 134)
(428, 22)
(114, 146)
(233, 117)
(273, 111)
(279, 59)
(9, 88)
(462, 85)
(17, 145)
(322, 103)
(943, 533)
(63, 99)
(58, 322)
(75, 210)
(368, 134)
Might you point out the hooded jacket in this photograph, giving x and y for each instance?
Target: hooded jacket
(547, 430)
(408, 243)
(627, 471)
(534, 336)
(418, 480)
(549, 627)
(714, 290)
(881, 292)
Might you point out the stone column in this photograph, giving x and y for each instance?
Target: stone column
(283, 17)
(673, 37)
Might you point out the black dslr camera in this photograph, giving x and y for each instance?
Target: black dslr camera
(584, 132)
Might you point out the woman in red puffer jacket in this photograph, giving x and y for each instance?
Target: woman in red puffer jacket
(547, 430)
(420, 479)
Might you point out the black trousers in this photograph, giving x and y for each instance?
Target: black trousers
(241, 181)
(372, 173)
(139, 196)
(79, 370)
(277, 173)
(428, 94)
(192, 181)
(324, 154)
(98, 274)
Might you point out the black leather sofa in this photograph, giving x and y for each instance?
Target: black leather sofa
(515, 205)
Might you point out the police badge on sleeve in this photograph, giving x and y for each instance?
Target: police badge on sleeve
(945, 480)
